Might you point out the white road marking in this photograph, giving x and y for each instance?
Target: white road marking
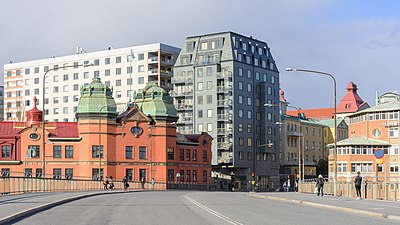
(227, 219)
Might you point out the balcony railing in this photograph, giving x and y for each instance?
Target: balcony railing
(184, 106)
(224, 75)
(206, 61)
(185, 120)
(154, 59)
(183, 93)
(225, 88)
(177, 80)
(225, 116)
(224, 145)
(224, 103)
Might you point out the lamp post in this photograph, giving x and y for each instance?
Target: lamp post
(99, 147)
(301, 174)
(334, 118)
(44, 121)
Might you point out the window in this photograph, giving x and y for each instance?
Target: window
(187, 175)
(69, 173)
(36, 149)
(65, 110)
(249, 87)
(209, 85)
(200, 113)
(36, 69)
(86, 75)
(241, 155)
(200, 100)
(249, 74)
(107, 61)
(194, 176)
(65, 99)
(240, 99)
(394, 168)
(57, 173)
(128, 152)
(57, 151)
(204, 46)
(204, 155)
(209, 113)
(36, 81)
(187, 154)
(76, 76)
(170, 153)
(118, 71)
(240, 85)
(200, 86)
(6, 151)
(96, 73)
(204, 175)
(240, 127)
(129, 174)
(141, 80)
(69, 151)
(141, 68)
(76, 87)
(194, 156)
(171, 175)
(249, 114)
(95, 151)
(118, 59)
(118, 83)
(5, 172)
(249, 155)
(240, 113)
(142, 152)
(181, 154)
(141, 56)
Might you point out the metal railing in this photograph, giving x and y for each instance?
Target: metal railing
(19, 185)
(371, 190)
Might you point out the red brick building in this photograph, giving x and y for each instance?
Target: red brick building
(141, 142)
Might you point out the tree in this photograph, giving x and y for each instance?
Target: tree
(322, 167)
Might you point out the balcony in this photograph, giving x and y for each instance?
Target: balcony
(181, 80)
(154, 72)
(184, 106)
(224, 89)
(183, 94)
(185, 120)
(154, 59)
(224, 117)
(207, 62)
(224, 145)
(294, 133)
(224, 75)
(224, 103)
(226, 157)
(224, 131)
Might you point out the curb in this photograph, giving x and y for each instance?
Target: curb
(337, 208)
(29, 212)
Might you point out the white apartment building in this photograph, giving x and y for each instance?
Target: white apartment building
(115, 67)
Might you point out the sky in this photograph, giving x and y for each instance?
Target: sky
(355, 40)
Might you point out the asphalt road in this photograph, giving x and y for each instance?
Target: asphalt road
(176, 207)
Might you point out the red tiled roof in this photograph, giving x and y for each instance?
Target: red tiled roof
(319, 114)
(10, 128)
(64, 130)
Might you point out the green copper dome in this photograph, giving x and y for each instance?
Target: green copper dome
(156, 102)
(96, 99)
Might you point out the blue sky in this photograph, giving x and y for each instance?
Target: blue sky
(356, 40)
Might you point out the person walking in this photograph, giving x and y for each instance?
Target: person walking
(105, 183)
(125, 183)
(320, 185)
(143, 181)
(288, 185)
(357, 183)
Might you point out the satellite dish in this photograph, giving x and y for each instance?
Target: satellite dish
(31, 153)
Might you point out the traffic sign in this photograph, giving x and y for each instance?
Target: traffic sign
(378, 161)
(379, 153)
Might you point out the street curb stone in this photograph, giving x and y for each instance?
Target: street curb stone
(338, 208)
(29, 212)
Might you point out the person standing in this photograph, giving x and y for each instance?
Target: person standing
(320, 185)
(288, 185)
(125, 183)
(357, 183)
(143, 181)
(152, 183)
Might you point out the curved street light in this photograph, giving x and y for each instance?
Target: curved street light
(301, 174)
(334, 118)
(44, 121)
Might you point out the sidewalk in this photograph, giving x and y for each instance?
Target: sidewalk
(386, 209)
(13, 207)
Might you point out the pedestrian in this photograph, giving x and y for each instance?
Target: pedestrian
(105, 183)
(320, 185)
(296, 185)
(284, 186)
(125, 183)
(111, 184)
(143, 181)
(288, 185)
(152, 183)
(357, 183)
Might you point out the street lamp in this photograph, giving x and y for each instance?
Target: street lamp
(99, 147)
(301, 174)
(44, 121)
(334, 118)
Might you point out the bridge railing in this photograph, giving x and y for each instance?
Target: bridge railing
(17, 185)
(372, 190)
